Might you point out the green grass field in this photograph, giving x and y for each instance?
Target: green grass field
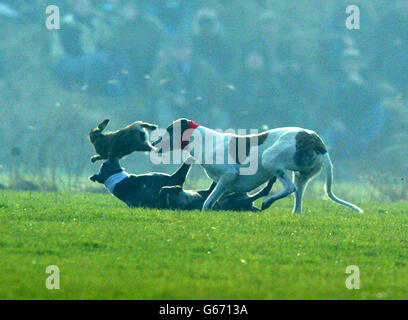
(106, 251)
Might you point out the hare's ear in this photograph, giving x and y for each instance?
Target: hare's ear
(148, 126)
(103, 124)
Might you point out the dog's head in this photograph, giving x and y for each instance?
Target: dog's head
(175, 130)
(95, 133)
(108, 168)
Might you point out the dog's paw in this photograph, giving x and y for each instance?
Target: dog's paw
(266, 205)
(95, 158)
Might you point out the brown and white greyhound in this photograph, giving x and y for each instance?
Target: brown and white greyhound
(276, 152)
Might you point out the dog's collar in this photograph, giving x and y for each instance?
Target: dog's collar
(114, 179)
(186, 140)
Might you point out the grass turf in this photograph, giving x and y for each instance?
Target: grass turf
(106, 251)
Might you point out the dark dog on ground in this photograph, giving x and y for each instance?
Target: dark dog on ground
(120, 143)
(137, 190)
(177, 198)
(164, 191)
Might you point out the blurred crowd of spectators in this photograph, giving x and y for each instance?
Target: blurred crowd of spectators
(240, 64)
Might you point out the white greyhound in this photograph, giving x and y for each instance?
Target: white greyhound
(277, 151)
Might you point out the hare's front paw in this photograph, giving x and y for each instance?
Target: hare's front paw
(95, 158)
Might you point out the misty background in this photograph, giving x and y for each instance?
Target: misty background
(239, 64)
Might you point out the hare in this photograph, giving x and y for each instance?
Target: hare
(134, 137)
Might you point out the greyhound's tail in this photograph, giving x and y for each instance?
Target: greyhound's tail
(329, 180)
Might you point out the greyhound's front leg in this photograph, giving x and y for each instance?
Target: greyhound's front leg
(219, 190)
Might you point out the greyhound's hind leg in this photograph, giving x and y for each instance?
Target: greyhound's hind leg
(301, 181)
